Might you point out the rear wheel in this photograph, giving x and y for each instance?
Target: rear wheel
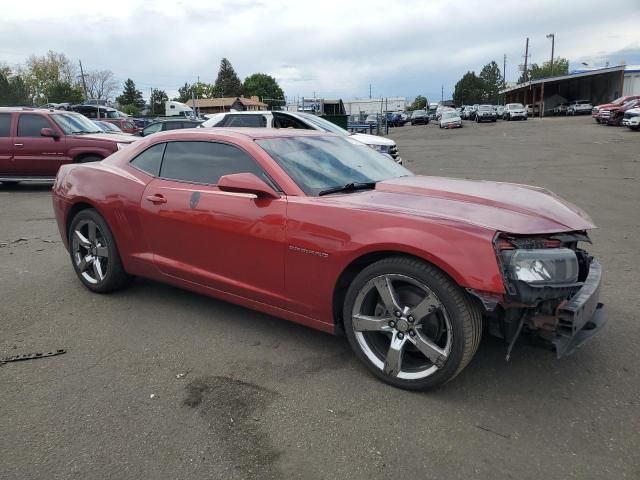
(94, 253)
(410, 324)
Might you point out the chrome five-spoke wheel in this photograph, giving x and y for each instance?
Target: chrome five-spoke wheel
(90, 251)
(411, 324)
(401, 326)
(94, 253)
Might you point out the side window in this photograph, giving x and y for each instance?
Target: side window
(129, 125)
(150, 160)
(5, 124)
(258, 121)
(29, 124)
(286, 121)
(172, 125)
(153, 128)
(205, 162)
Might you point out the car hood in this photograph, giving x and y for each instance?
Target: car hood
(112, 137)
(505, 207)
(607, 105)
(372, 139)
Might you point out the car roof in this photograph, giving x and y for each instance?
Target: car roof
(241, 132)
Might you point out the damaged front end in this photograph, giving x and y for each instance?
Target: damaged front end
(552, 290)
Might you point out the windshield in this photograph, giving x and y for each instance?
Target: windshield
(71, 123)
(321, 163)
(446, 115)
(515, 105)
(323, 124)
(485, 107)
(419, 113)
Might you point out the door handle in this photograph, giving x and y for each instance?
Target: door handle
(18, 144)
(157, 198)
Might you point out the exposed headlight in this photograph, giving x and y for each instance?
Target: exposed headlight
(122, 145)
(540, 267)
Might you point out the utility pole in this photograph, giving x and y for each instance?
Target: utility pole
(369, 91)
(442, 93)
(504, 70)
(526, 59)
(552, 36)
(150, 100)
(84, 83)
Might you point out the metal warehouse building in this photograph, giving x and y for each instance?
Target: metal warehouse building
(598, 86)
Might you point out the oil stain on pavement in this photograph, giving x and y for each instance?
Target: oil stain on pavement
(232, 408)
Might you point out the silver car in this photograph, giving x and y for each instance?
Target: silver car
(515, 111)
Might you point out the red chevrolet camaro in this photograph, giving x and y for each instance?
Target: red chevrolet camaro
(324, 231)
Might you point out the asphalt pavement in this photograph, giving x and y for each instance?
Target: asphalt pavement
(161, 383)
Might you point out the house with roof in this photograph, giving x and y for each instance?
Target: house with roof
(225, 104)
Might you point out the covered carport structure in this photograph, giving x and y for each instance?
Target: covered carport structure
(598, 86)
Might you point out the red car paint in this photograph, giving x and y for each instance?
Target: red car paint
(616, 114)
(595, 113)
(125, 124)
(41, 156)
(285, 255)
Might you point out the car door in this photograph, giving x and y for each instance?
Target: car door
(231, 242)
(33, 154)
(6, 145)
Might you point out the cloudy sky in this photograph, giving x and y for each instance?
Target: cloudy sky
(335, 48)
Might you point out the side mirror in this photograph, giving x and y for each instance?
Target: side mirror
(246, 183)
(49, 132)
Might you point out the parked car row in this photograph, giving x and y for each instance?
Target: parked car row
(620, 112)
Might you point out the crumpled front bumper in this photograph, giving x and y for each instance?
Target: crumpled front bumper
(582, 316)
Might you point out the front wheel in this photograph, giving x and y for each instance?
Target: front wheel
(410, 324)
(94, 253)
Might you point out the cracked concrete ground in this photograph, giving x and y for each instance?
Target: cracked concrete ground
(162, 383)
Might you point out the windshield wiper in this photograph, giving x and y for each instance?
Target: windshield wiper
(349, 187)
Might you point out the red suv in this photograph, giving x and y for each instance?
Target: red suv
(35, 143)
(127, 125)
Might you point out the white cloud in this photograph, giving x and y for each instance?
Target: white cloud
(335, 48)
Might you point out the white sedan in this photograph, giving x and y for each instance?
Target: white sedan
(450, 119)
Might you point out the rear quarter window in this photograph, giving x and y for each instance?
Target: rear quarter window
(5, 124)
(150, 160)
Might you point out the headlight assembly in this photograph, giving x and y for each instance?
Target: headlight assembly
(122, 145)
(543, 267)
(380, 148)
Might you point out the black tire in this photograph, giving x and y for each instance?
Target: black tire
(89, 158)
(463, 313)
(115, 277)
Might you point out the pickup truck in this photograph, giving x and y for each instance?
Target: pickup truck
(601, 112)
(616, 114)
(34, 144)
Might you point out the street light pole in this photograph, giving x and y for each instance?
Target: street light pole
(552, 36)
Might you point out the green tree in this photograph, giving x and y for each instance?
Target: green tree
(131, 96)
(44, 75)
(419, 103)
(560, 67)
(228, 83)
(492, 80)
(264, 86)
(199, 89)
(13, 89)
(130, 109)
(60, 92)
(469, 90)
(156, 101)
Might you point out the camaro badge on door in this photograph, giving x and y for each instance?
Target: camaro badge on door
(310, 252)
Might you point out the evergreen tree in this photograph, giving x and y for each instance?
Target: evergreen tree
(264, 86)
(419, 103)
(227, 84)
(130, 95)
(492, 79)
(156, 101)
(469, 90)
